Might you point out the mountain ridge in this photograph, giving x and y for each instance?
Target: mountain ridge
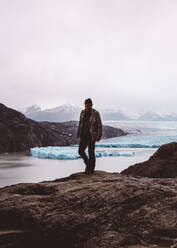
(68, 112)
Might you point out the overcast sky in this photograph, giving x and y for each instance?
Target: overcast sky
(120, 53)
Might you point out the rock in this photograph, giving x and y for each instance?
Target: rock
(163, 163)
(110, 132)
(18, 133)
(103, 210)
(63, 129)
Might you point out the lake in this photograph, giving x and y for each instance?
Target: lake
(143, 141)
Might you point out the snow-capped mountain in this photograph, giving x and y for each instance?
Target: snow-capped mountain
(150, 116)
(170, 116)
(153, 116)
(68, 112)
(32, 109)
(61, 113)
(113, 114)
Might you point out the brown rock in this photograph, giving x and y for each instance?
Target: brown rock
(103, 210)
(163, 163)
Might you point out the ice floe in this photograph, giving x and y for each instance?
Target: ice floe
(71, 152)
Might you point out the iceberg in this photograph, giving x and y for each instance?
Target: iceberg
(71, 152)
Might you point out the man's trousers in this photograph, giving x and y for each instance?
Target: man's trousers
(90, 162)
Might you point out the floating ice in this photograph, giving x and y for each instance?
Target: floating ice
(71, 152)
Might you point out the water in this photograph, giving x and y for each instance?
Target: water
(143, 140)
(21, 168)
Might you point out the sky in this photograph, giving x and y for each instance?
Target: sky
(120, 53)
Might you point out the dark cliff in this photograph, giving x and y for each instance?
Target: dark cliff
(18, 133)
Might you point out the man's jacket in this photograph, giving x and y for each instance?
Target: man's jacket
(95, 124)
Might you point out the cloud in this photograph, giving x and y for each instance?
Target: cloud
(119, 53)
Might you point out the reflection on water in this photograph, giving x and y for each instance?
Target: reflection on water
(6, 165)
(21, 168)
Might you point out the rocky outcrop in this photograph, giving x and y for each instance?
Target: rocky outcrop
(163, 163)
(18, 133)
(103, 210)
(67, 131)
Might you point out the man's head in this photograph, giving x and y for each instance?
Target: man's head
(88, 104)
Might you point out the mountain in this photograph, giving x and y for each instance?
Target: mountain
(110, 114)
(150, 116)
(66, 112)
(18, 133)
(31, 109)
(170, 116)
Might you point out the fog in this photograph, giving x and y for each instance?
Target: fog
(120, 53)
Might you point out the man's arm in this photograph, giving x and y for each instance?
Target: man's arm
(78, 129)
(99, 125)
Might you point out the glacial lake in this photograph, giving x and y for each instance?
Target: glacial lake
(21, 168)
(143, 140)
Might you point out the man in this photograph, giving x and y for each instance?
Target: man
(89, 131)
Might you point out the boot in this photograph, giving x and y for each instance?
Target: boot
(90, 167)
(87, 168)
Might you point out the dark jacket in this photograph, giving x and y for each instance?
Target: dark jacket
(95, 124)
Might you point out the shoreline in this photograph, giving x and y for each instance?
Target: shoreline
(20, 168)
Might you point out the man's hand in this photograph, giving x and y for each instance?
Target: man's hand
(98, 139)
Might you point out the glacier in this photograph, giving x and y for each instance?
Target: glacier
(117, 145)
(71, 152)
(139, 140)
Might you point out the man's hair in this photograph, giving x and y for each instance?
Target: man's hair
(88, 101)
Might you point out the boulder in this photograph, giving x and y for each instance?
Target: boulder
(163, 163)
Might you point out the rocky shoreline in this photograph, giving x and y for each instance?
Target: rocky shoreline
(18, 133)
(163, 164)
(103, 210)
